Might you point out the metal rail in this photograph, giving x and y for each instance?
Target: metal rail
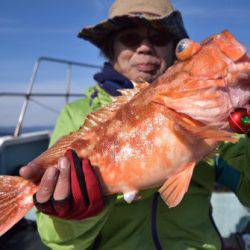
(30, 94)
(23, 94)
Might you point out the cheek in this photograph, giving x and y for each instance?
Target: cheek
(124, 61)
(166, 56)
(124, 58)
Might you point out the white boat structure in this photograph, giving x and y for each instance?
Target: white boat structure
(18, 149)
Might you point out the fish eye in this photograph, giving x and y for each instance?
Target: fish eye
(182, 45)
(186, 48)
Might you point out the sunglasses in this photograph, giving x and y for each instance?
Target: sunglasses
(133, 39)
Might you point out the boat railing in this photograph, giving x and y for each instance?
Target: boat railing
(29, 93)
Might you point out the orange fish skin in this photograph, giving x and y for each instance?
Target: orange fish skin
(154, 135)
(139, 151)
(119, 144)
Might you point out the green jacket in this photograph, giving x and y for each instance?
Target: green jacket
(143, 223)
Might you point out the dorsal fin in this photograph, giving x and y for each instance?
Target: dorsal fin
(107, 112)
(86, 131)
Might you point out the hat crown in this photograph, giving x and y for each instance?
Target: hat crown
(145, 8)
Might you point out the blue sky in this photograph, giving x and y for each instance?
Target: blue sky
(30, 29)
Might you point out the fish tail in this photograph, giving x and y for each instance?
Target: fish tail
(16, 199)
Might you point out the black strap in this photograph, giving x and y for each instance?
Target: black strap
(97, 242)
(154, 232)
(80, 177)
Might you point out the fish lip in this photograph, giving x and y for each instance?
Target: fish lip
(236, 91)
(239, 91)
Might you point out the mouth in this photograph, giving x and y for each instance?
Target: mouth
(238, 82)
(240, 96)
(215, 106)
(147, 64)
(147, 67)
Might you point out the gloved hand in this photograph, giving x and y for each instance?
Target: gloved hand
(80, 195)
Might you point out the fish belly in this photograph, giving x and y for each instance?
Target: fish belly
(142, 157)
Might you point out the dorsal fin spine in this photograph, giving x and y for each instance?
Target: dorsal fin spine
(107, 112)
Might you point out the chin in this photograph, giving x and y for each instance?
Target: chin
(145, 77)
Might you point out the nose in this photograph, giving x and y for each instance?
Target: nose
(146, 47)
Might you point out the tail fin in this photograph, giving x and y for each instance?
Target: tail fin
(16, 199)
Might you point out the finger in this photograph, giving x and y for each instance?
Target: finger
(91, 182)
(62, 189)
(47, 185)
(32, 172)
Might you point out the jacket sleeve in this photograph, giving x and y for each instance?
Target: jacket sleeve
(64, 126)
(61, 234)
(233, 168)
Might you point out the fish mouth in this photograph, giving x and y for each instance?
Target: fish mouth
(238, 88)
(240, 97)
(238, 82)
(234, 93)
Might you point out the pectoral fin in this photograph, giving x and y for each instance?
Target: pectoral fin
(195, 127)
(176, 186)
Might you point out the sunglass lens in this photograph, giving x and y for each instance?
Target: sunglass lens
(130, 39)
(159, 40)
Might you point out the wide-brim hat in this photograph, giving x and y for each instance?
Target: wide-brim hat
(158, 14)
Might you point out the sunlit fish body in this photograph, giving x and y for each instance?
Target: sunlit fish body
(153, 135)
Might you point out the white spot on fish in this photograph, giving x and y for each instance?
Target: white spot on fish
(110, 130)
(22, 185)
(27, 200)
(158, 141)
(113, 127)
(127, 134)
(98, 156)
(111, 175)
(167, 137)
(160, 119)
(149, 126)
(125, 153)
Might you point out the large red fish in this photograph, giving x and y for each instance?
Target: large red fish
(152, 136)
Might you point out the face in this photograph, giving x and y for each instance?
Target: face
(141, 54)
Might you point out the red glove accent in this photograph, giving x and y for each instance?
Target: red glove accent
(85, 199)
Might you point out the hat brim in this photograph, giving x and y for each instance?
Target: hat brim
(98, 34)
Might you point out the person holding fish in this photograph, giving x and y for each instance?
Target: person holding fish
(139, 40)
